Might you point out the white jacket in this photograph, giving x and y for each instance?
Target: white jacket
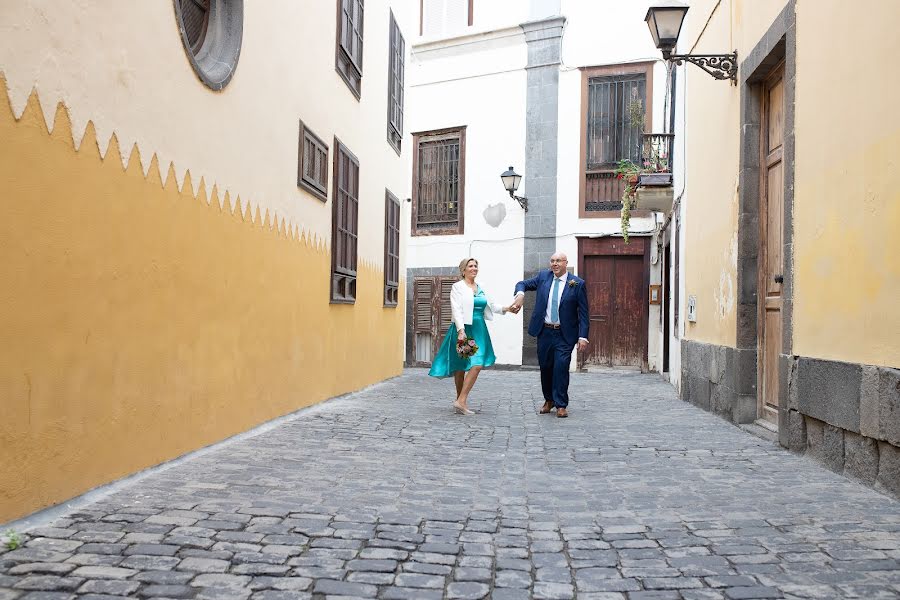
(462, 305)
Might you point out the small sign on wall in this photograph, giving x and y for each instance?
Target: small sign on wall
(692, 309)
(655, 294)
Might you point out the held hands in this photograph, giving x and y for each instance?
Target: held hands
(513, 308)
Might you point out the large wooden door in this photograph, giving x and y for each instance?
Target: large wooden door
(771, 267)
(617, 296)
(431, 316)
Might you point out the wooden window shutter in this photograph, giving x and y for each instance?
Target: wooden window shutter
(349, 51)
(439, 182)
(396, 75)
(445, 313)
(345, 225)
(423, 291)
(391, 249)
(312, 168)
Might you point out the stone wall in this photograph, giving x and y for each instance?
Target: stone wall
(844, 415)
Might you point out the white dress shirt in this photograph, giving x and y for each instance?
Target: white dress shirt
(559, 292)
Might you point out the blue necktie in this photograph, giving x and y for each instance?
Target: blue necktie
(554, 302)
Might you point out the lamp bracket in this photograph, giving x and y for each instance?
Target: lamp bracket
(522, 200)
(720, 66)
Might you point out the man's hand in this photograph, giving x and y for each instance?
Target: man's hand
(582, 344)
(513, 308)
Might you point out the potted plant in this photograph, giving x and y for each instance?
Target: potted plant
(630, 173)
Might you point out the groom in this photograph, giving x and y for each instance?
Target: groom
(559, 321)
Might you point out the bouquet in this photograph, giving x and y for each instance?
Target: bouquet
(466, 347)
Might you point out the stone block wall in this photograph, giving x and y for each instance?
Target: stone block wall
(844, 415)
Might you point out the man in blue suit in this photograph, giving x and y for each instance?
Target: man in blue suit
(559, 322)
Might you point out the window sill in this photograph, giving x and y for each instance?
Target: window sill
(312, 190)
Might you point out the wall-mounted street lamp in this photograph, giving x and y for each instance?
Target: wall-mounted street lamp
(664, 20)
(511, 181)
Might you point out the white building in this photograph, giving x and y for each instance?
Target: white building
(560, 90)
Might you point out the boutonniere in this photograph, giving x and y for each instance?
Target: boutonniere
(572, 283)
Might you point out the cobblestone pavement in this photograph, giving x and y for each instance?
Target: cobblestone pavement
(387, 494)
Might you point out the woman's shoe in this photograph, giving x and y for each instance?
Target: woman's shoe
(462, 410)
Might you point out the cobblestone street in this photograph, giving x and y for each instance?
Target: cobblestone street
(387, 494)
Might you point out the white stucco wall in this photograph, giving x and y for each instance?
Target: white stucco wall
(477, 81)
(122, 66)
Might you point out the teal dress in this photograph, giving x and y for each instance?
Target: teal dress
(447, 361)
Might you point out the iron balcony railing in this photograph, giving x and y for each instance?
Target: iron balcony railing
(656, 159)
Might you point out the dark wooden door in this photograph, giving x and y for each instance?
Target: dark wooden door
(617, 300)
(598, 275)
(771, 267)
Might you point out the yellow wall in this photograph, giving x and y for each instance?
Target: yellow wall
(712, 114)
(139, 322)
(847, 183)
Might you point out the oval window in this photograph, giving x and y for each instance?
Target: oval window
(211, 31)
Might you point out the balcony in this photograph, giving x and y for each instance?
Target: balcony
(654, 188)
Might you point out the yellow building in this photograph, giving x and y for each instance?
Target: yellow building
(200, 226)
(790, 220)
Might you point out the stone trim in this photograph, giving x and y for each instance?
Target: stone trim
(544, 42)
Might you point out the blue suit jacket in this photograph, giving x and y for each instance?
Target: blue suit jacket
(573, 306)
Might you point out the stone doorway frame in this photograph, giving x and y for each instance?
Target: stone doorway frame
(779, 43)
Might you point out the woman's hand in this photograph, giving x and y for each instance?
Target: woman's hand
(513, 308)
(461, 336)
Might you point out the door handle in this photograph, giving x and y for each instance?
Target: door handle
(779, 278)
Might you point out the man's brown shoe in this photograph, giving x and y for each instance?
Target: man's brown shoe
(546, 408)
(561, 413)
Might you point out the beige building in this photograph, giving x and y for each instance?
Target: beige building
(201, 226)
(789, 216)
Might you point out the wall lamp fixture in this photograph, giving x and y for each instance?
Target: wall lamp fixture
(664, 20)
(511, 181)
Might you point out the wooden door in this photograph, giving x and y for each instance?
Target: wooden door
(432, 315)
(771, 267)
(616, 297)
(598, 276)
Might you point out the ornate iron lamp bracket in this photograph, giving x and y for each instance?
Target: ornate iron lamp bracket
(522, 200)
(720, 66)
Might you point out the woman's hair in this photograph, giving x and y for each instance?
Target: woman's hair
(465, 263)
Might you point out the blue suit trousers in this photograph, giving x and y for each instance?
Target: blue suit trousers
(554, 358)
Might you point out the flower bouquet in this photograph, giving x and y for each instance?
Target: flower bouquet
(466, 347)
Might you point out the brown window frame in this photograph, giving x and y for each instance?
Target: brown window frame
(396, 82)
(348, 64)
(319, 189)
(637, 68)
(457, 228)
(344, 228)
(471, 19)
(391, 249)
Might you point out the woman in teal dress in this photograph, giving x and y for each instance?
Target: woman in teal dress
(470, 307)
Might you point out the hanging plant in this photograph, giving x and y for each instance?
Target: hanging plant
(629, 172)
(636, 111)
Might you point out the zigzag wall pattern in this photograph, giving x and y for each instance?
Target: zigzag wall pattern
(140, 321)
